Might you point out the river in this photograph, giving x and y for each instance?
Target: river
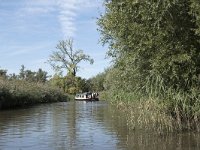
(82, 126)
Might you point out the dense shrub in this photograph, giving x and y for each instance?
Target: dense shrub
(15, 93)
(155, 48)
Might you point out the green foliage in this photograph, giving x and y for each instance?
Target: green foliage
(154, 38)
(18, 93)
(39, 76)
(195, 11)
(27, 88)
(31, 76)
(58, 81)
(82, 85)
(69, 84)
(22, 72)
(97, 83)
(3, 73)
(155, 47)
(68, 58)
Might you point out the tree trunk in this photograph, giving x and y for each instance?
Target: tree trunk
(74, 72)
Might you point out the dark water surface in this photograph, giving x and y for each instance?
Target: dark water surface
(82, 126)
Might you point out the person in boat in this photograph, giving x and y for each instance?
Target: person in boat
(93, 95)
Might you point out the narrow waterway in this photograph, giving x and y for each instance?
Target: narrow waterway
(82, 126)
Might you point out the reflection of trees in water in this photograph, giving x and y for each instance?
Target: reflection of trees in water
(64, 124)
(151, 141)
(115, 121)
(22, 120)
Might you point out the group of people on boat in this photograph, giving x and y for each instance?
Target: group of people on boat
(94, 95)
(87, 96)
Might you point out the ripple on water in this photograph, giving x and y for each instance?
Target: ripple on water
(79, 125)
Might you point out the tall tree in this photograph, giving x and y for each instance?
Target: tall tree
(97, 83)
(3, 73)
(32, 76)
(67, 58)
(149, 39)
(22, 72)
(195, 5)
(41, 76)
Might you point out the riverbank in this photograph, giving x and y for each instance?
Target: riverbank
(17, 93)
(162, 115)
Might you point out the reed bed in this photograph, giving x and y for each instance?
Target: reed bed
(173, 112)
(17, 93)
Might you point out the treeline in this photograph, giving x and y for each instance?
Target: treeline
(66, 58)
(32, 87)
(73, 84)
(28, 88)
(67, 83)
(70, 84)
(155, 49)
(26, 74)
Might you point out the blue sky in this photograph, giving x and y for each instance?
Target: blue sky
(31, 29)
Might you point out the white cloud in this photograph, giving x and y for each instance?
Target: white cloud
(68, 10)
(30, 28)
(67, 14)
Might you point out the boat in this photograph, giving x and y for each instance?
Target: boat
(87, 96)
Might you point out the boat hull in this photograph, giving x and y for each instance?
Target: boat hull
(86, 99)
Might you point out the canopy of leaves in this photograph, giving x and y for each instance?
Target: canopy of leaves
(32, 76)
(28, 75)
(70, 84)
(153, 39)
(68, 58)
(97, 83)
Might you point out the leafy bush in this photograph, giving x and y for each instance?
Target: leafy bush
(155, 48)
(15, 93)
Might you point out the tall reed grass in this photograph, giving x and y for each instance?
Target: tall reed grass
(16, 93)
(158, 108)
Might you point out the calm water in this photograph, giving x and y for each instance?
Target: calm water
(81, 126)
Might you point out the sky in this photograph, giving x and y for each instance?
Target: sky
(31, 29)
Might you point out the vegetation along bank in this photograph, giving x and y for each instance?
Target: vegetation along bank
(16, 91)
(30, 87)
(155, 50)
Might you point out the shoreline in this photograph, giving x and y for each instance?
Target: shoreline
(16, 94)
(150, 114)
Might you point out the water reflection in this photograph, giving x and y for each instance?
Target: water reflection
(80, 125)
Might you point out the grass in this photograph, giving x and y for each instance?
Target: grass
(174, 111)
(16, 93)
